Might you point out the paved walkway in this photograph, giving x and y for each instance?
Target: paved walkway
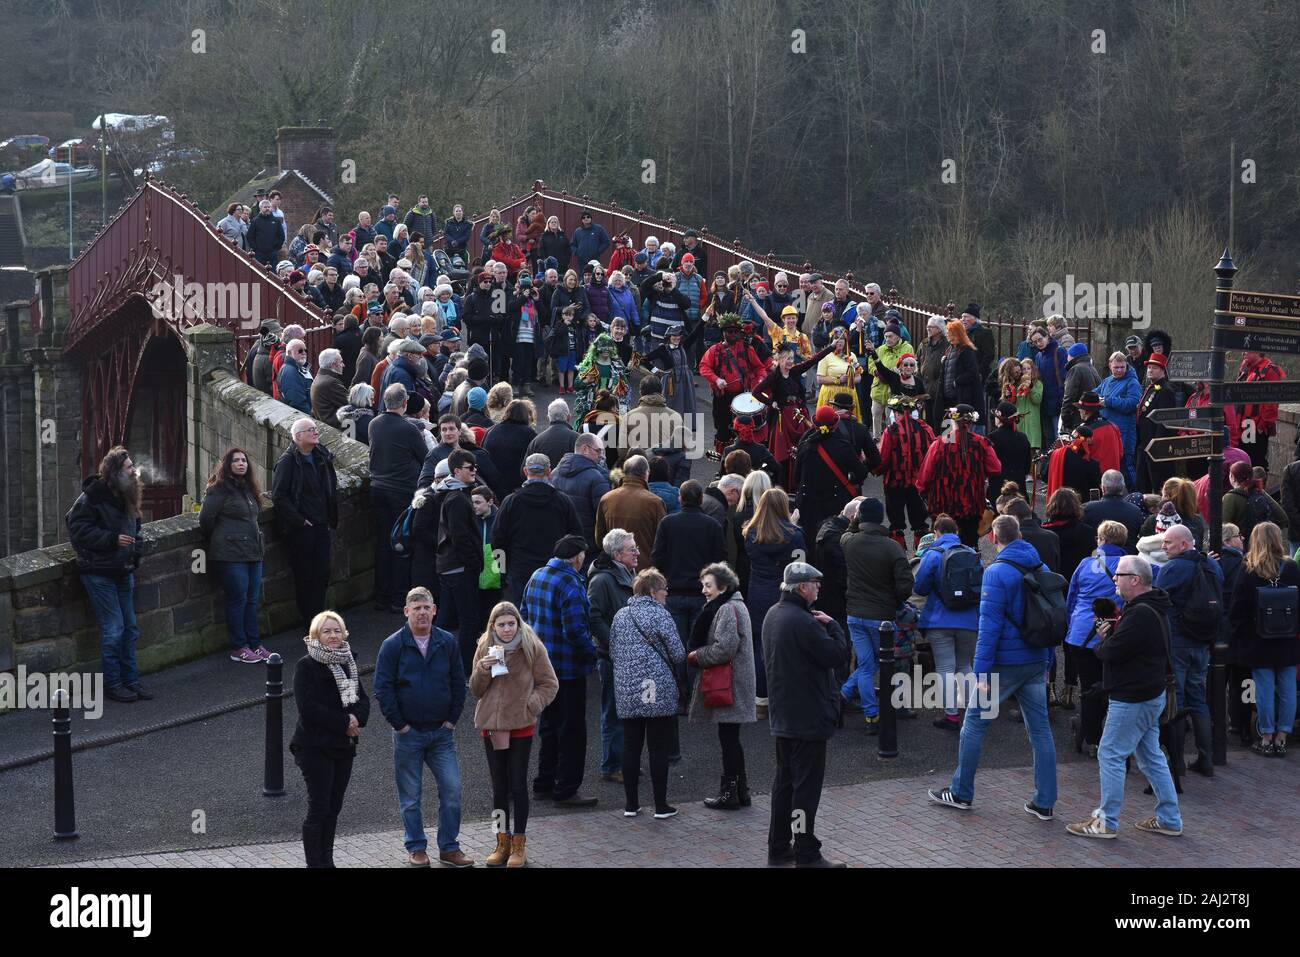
(1244, 817)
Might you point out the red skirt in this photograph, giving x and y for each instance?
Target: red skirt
(791, 427)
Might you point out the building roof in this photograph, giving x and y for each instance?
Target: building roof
(267, 181)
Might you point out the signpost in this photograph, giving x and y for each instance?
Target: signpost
(1201, 417)
(1189, 366)
(1264, 305)
(1197, 446)
(1249, 339)
(1254, 393)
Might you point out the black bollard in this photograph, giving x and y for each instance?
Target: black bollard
(65, 810)
(1219, 702)
(273, 779)
(888, 747)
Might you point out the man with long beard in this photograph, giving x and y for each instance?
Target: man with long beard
(104, 528)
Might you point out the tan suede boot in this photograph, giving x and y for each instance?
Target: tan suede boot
(517, 856)
(498, 857)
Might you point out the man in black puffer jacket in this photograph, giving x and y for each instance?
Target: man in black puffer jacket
(801, 649)
(104, 529)
(687, 541)
(530, 522)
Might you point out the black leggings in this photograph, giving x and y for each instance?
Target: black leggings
(733, 755)
(657, 733)
(968, 530)
(509, 770)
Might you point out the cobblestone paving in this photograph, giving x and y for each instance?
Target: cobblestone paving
(879, 824)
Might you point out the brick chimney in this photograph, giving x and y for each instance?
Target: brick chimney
(311, 151)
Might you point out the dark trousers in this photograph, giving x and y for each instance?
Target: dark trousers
(905, 506)
(309, 557)
(722, 433)
(1257, 450)
(968, 530)
(796, 792)
(326, 774)
(655, 732)
(500, 356)
(392, 573)
(459, 611)
(733, 755)
(525, 362)
(1238, 709)
(508, 769)
(1151, 476)
(562, 757)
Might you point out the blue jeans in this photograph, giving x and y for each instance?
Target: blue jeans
(954, 650)
(113, 601)
(1191, 665)
(1029, 684)
(411, 752)
(242, 583)
(1135, 729)
(611, 728)
(865, 635)
(1271, 684)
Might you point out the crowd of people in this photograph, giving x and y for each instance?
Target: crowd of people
(526, 558)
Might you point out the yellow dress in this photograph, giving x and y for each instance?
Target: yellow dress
(834, 366)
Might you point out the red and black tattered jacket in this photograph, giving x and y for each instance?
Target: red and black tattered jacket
(737, 365)
(954, 476)
(902, 451)
(1265, 416)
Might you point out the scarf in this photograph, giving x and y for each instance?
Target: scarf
(704, 623)
(513, 644)
(337, 660)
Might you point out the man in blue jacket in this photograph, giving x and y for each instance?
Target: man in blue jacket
(1179, 578)
(589, 241)
(1120, 394)
(951, 631)
(420, 687)
(1006, 666)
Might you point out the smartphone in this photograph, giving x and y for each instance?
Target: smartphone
(1094, 495)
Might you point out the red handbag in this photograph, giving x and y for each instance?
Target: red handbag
(715, 681)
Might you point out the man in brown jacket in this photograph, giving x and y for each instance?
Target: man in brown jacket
(329, 393)
(632, 506)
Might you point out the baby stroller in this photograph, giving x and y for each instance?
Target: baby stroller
(453, 267)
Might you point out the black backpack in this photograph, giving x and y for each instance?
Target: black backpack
(1259, 505)
(1275, 611)
(1046, 616)
(1202, 613)
(960, 574)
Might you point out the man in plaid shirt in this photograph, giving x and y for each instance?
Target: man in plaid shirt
(555, 605)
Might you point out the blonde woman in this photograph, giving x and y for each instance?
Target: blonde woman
(839, 372)
(498, 397)
(332, 709)
(772, 540)
(1272, 660)
(1029, 401)
(513, 680)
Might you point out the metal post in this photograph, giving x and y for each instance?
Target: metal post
(888, 747)
(65, 809)
(1224, 273)
(56, 159)
(103, 171)
(273, 778)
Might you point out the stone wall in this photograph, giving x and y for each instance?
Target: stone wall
(45, 621)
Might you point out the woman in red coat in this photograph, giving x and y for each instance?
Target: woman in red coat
(505, 250)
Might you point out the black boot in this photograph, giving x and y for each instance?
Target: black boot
(728, 798)
(327, 842)
(742, 788)
(1204, 763)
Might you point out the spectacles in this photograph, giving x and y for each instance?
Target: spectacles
(308, 432)
(1118, 575)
